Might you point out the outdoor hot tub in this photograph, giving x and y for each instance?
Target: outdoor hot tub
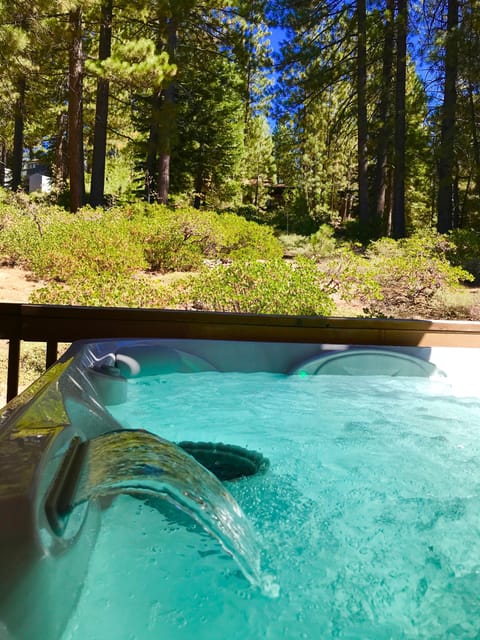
(186, 488)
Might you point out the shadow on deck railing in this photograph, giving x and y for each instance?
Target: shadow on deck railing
(54, 324)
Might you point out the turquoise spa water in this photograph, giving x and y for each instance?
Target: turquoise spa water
(368, 518)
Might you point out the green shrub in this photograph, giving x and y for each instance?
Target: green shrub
(410, 273)
(321, 244)
(17, 241)
(22, 221)
(86, 244)
(174, 240)
(107, 290)
(240, 238)
(295, 245)
(180, 240)
(460, 304)
(465, 250)
(252, 286)
(349, 275)
(256, 214)
(56, 245)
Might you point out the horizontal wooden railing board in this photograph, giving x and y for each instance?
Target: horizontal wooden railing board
(54, 324)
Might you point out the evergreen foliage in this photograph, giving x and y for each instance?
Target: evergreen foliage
(261, 286)
(339, 133)
(184, 97)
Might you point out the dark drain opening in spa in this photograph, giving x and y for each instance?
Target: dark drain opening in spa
(226, 461)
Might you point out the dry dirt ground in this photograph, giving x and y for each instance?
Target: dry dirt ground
(15, 286)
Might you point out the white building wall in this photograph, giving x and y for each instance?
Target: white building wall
(39, 182)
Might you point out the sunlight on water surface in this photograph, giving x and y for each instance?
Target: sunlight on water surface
(369, 516)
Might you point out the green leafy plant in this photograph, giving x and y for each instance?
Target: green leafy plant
(320, 244)
(106, 290)
(410, 273)
(240, 238)
(253, 286)
(174, 240)
(86, 244)
(180, 240)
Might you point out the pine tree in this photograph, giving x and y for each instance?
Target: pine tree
(76, 160)
(446, 161)
(259, 162)
(384, 141)
(101, 108)
(209, 143)
(401, 28)
(362, 119)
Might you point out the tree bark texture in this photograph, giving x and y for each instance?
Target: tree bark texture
(475, 140)
(385, 136)
(362, 124)
(75, 113)
(97, 189)
(3, 163)
(446, 161)
(152, 147)
(60, 169)
(398, 218)
(18, 134)
(167, 119)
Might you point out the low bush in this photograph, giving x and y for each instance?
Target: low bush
(56, 245)
(410, 273)
(86, 245)
(255, 214)
(180, 240)
(461, 304)
(323, 243)
(294, 245)
(94, 258)
(22, 221)
(350, 278)
(107, 290)
(18, 241)
(252, 286)
(174, 240)
(240, 238)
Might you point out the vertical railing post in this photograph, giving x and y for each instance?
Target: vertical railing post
(51, 353)
(13, 367)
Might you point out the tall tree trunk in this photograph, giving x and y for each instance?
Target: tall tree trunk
(446, 163)
(385, 134)
(18, 134)
(167, 119)
(3, 162)
(75, 112)
(97, 188)
(60, 169)
(362, 113)
(398, 221)
(163, 175)
(152, 147)
(475, 141)
(456, 197)
(200, 183)
(199, 196)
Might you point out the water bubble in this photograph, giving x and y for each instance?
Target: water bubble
(270, 587)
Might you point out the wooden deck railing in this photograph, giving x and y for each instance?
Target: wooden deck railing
(54, 324)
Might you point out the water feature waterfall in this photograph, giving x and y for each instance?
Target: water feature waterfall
(138, 462)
